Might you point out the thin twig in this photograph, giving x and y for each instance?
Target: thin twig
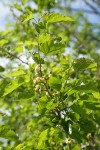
(92, 7)
(13, 55)
(78, 9)
(17, 58)
(2, 77)
(39, 60)
(45, 84)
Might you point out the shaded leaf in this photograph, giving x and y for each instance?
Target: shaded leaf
(2, 69)
(50, 48)
(82, 63)
(54, 82)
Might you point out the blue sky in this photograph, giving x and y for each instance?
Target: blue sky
(4, 13)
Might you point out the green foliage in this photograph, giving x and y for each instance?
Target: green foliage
(2, 69)
(50, 100)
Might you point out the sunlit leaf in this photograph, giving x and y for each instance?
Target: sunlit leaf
(3, 42)
(13, 85)
(29, 17)
(55, 17)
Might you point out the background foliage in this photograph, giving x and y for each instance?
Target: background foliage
(50, 88)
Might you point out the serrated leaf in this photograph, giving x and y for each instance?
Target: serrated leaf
(44, 48)
(40, 26)
(44, 38)
(18, 48)
(50, 105)
(37, 59)
(20, 147)
(89, 87)
(92, 105)
(50, 48)
(7, 133)
(54, 82)
(17, 72)
(11, 135)
(13, 85)
(6, 32)
(56, 48)
(42, 138)
(56, 17)
(83, 63)
(29, 17)
(43, 99)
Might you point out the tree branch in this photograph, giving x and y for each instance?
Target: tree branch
(92, 7)
(13, 55)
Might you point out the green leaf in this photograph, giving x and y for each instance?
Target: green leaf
(2, 69)
(50, 48)
(6, 32)
(82, 63)
(76, 147)
(13, 85)
(37, 59)
(42, 138)
(44, 38)
(7, 133)
(55, 83)
(92, 105)
(24, 2)
(17, 72)
(17, 6)
(31, 43)
(56, 17)
(56, 48)
(11, 135)
(3, 42)
(25, 96)
(21, 146)
(45, 48)
(41, 26)
(96, 95)
(43, 99)
(29, 17)
(50, 105)
(88, 87)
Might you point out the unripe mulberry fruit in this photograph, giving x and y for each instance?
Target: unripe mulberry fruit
(37, 69)
(37, 88)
